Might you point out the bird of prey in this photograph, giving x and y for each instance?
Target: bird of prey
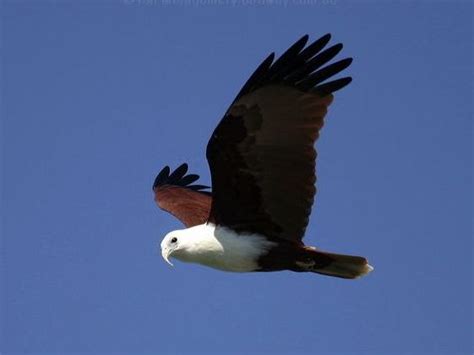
(262, 161)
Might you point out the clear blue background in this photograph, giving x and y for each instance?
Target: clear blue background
(98, 96)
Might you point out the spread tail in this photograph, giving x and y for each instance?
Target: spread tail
(338, 265)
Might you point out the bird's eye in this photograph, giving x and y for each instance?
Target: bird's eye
(174, 240)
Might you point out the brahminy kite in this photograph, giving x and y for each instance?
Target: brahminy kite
(262, 161)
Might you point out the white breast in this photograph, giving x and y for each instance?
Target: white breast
(221, 248)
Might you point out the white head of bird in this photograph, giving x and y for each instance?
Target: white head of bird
(197, 244)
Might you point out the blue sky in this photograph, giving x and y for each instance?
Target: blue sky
(98, 96)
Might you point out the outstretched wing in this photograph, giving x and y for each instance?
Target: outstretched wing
(174, 193)
(262, 155)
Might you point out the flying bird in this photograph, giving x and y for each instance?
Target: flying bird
(262, 161)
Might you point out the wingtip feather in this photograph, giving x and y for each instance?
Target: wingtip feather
(178, 178)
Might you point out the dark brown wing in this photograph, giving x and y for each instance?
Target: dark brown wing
(175, 194)
(262, 155)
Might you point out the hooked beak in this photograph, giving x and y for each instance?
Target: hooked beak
(165, 253)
